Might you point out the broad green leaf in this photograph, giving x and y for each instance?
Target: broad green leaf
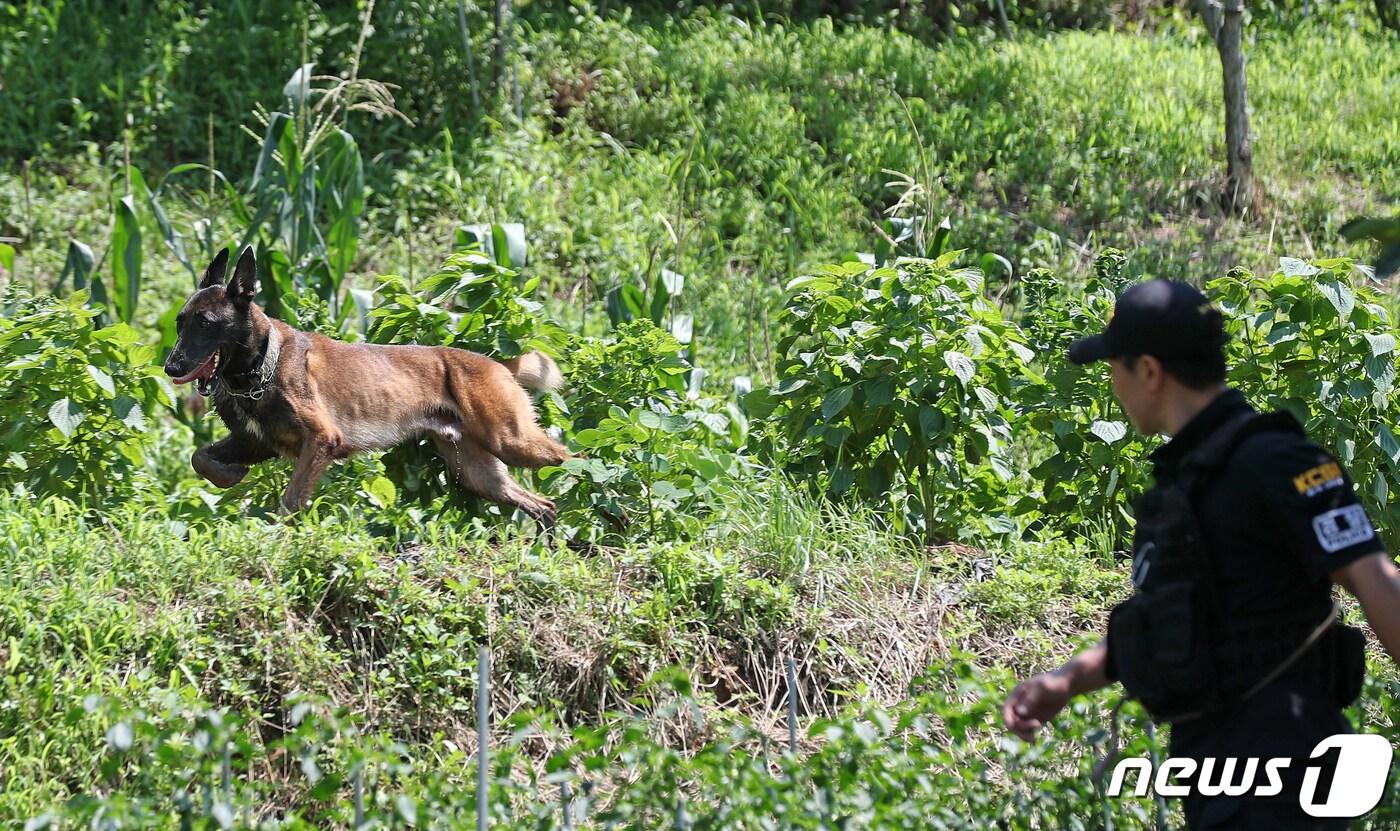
(128, 411)
(1381, 344)
(838, 304)
(760, 403)
(625, 303)
(1342, 298)
(789, 385)
(1025, 353)
(1388, 444)
(7, 257)
(962, 365)
(380, 491)
(879, 391)
(341, 179)
(364, 302)
(1294, 267)
(102, 379)
(931, 420)
(1381, 370)
(589, 437)
(325, 788)
(836, 400)
(1110, 431)
(939, 246)
(66, 415)
(841, 479)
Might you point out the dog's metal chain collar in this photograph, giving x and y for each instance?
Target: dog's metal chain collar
(266, 371)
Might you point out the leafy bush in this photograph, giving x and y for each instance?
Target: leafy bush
(928, 762)
(1095, 466)
(470, 302)
(656, 457)
(897, 378)
(1307, 340)
(78, 400)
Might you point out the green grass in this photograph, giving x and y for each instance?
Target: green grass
(738, 152)
(247, 615)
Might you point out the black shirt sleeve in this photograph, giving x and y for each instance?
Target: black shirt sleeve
(1303, 490)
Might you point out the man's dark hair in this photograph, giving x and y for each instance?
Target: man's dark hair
(1193, 373)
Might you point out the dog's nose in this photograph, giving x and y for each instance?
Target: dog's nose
(171, 367)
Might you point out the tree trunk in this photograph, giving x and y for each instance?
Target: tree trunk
(503, 26)
(1239, 169)
(1001, 17)
(471, 61)
(940, 11)
(1210, 13)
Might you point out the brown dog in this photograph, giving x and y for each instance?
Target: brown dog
(284, 392)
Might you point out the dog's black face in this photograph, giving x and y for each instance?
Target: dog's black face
(214, 322)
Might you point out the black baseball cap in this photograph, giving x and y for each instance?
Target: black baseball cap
(1161, 318)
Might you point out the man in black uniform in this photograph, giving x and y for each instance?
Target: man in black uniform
(1231, 634)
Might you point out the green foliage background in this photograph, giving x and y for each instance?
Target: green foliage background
(809, 269)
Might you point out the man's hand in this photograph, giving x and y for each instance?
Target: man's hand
(1034, 702)
(1037, 700)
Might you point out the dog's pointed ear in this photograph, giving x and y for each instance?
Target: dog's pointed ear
(214, 274)
(244, 284)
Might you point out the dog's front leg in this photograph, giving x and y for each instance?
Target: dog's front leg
(225, 462)
(317, 453)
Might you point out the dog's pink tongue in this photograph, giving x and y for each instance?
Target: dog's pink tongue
(204, 370)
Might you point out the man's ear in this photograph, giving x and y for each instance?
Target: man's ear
(1153, 372)
(214, 274)
(245, 279)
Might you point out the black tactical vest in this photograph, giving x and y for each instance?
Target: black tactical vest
(1173, 647)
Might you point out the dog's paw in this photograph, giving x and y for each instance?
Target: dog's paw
(217, 473)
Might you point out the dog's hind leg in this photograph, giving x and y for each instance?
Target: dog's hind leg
(481, 473)
(528, 447)
(225, 462)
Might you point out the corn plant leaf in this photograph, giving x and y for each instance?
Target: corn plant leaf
(297, 86)
(125, 253)
(341, 178)
(79, 264)
(625, 303)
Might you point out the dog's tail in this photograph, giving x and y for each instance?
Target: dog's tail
(536, 371)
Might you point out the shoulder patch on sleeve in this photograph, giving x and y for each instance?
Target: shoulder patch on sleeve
(1342, 528)
(1315, 480)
